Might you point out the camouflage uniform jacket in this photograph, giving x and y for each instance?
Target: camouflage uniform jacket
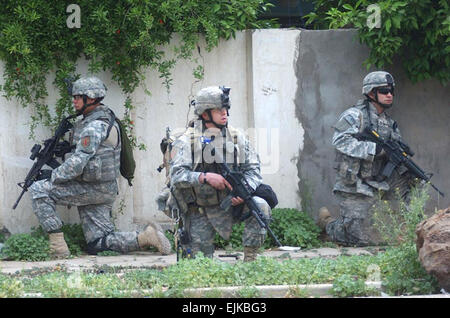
(356, 163)
(191, 156)
(95, 158)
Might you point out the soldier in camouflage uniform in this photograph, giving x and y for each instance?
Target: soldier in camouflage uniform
(201, 193)
(88, 179)
(359, 164)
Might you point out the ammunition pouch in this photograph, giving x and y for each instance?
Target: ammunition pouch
(347, 168)
(93, 170)
(206, 195)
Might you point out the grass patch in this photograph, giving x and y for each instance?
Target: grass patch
(347, 273)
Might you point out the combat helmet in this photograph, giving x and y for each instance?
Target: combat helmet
(212, 97)
(374, 80)
(91, 86)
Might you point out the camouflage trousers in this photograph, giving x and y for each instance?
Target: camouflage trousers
(354, 226)
(94, 202)
(201, 230)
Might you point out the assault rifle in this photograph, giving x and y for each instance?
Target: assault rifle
(242, 189)
(398, 153)
(46, 156)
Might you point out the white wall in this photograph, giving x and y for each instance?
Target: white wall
(279, 131)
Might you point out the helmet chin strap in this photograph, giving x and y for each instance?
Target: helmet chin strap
(85, 105)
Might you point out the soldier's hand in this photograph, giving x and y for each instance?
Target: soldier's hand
(44, 174)
(62, 148)
(379, 151)
(216, 181)
(236, 201)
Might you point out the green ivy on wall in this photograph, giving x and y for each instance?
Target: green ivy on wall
(124, 37)
(415, 31)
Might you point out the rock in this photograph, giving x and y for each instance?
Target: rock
(433, 246)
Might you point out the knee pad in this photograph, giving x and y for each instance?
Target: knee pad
(97, 246)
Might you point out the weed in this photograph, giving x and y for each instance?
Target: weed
(349, 286)
(10, 287)
(401, 268)
(291, 226)
(248, 292)
(25, 247)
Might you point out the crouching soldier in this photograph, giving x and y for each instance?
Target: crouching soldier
(87, 179)
(202, 193)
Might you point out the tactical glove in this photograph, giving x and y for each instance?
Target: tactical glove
(44, 174)
(62, 148)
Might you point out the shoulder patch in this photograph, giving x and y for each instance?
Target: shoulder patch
(350, 120)
(86, 141)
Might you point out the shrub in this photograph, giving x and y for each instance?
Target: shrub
(403, 274)
(26, 247)
(74, 236)
(402, 271)
(397, 223)
(292, 227)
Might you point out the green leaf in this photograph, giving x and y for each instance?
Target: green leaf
(387, 25)
(348, 7)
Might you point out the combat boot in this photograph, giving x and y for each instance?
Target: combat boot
(58, 246)
(324, 218)
(250, 253)
(153, 235)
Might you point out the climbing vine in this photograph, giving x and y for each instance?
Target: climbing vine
(124, 37)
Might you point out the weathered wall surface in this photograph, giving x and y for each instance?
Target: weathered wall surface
(287, 89)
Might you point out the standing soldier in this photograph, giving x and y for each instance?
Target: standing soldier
(359, 164)
(201, 192)
(88, 179)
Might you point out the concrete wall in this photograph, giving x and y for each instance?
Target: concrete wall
(288, 87)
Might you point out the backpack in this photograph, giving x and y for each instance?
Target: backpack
(127, 162)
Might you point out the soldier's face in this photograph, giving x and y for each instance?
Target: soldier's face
(385, 95)
(219, 116)
(77, 102)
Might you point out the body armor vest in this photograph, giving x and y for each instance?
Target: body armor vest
(105, 164)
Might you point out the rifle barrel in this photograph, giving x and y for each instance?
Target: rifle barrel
(18, 199)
